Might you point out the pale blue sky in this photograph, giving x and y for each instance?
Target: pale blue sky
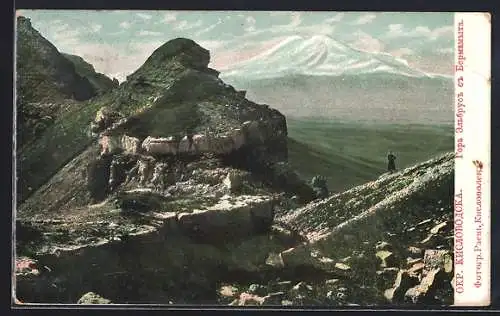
(118, 42)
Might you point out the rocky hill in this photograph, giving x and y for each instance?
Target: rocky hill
(100, 82)
(175, 188)
(47, 82)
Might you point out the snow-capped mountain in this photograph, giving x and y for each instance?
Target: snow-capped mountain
(318, 55)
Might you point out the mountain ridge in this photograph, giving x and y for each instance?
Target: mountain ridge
(319, 55)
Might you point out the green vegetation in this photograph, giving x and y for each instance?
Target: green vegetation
(352, 153)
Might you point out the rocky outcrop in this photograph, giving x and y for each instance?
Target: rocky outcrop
(45, 80)
(184, 100)
(100, 82)
(230, 218)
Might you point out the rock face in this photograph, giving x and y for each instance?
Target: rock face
(45, 78)
(230, 218)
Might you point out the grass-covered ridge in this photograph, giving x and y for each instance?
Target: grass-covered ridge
(352, 153)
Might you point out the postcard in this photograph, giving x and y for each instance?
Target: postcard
(252, 158)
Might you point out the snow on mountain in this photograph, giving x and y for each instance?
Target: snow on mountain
(319, 55)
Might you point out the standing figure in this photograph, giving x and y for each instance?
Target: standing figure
(391, 165)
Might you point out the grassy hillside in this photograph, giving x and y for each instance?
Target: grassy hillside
(351, 153)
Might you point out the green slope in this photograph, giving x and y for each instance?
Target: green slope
(351, 153)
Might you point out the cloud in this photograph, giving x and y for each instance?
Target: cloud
(367, 42)
(115, 60)
(365, 19)
(447, 50)
(250, 24)
(208, 29)
(277, 13)
(295, 19)
(144, 16)
(96, 28)
(169, 17)
(125, 25)
(185, 25)
(149, 33)
(336, 18)
(396, 30)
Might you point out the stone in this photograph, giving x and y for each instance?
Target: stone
(222, 145)
(130, 145)
(436, 229)
(331, 282)
(273, 298)
(230, 217)
(417, 293)
(286, 303)
(410, 261)
(284, 285)
(238, 137)
(201, 143)
(257, 289)
(145, 170)
(342, 266)
(383, 245)
(93, 298)
(250, 299)
(110, 144)
(233, 181)
(403, 282)
(386, 277)
(301, 288)
(387, 258)
(186, 145)
(253, 131)
(163, 146)
(228, 291)
(275, 260)
(159, 176)
(416, 268)
(297, 256)
(415, 250)
(434, 259)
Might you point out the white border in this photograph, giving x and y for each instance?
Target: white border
(472, 161)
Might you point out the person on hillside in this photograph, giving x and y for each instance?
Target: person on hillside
(391, 164)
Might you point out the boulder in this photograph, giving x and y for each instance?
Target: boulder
(386, 258)
(257, 289)
(130, 145)
(162, 146)
(186, 145)
(424, 290)
(93, 298)
(230, 217)
(201, 143)
(233, 181)
(253, 131)
(110, 144)
(403, 282)
(238, 137)
(222, 144)
(438, 259)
